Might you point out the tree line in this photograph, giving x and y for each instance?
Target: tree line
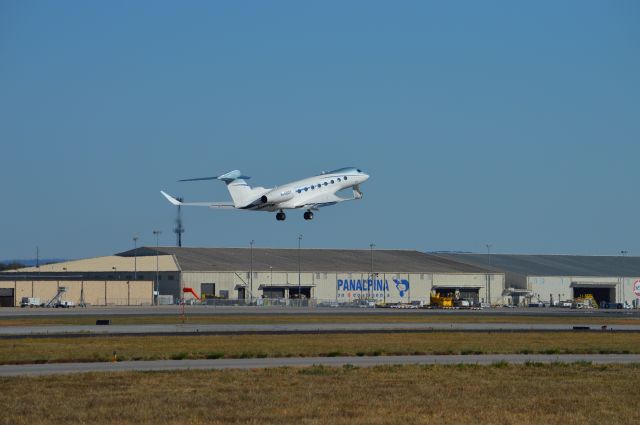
(11, 266)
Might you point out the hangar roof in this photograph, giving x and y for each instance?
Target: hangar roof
(104, 264)
(315, 260)
(553, 265)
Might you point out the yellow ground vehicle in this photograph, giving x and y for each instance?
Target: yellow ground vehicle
(585, 301)
(438, 300)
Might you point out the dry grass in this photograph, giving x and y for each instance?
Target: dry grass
(500, 394)
(364, 317)
(40, 350)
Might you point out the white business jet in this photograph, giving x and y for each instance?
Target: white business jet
(310, 193)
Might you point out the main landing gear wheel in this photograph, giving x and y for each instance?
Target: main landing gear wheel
(308, 215)
(280, 216)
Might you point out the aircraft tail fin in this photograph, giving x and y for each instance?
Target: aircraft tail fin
(240, 191)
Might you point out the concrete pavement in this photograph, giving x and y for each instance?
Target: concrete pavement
(166, 365)
(169, 329)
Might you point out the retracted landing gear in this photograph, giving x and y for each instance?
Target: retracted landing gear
(280, 216)
(308, 215)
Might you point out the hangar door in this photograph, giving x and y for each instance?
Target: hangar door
(6, 297)
(273, 291)
(208, 290)
(300, 291)
(600, 293)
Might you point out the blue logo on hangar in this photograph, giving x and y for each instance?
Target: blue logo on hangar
(357, 285)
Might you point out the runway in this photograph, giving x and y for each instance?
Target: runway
(232, 329)
(220, 364)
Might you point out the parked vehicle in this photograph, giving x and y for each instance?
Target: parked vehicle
(608, 305)
(65, 304)
(366, 304)
(462, 303)
(30, 302)
(440, 301)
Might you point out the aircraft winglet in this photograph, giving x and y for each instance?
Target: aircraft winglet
(171, 199)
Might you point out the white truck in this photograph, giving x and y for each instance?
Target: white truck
(65, 304)
(30, 302)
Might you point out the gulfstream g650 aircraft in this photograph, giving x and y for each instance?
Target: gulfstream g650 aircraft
(310, 193)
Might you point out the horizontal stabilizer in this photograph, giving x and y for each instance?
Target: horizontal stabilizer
(232, 175)
(227, 178)
(199, 178)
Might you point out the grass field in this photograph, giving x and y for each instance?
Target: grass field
(368, 317)
(90, 349)
(498, 394)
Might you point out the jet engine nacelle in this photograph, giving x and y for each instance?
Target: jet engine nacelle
(276, 196)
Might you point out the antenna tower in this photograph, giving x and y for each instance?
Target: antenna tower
(179, 229)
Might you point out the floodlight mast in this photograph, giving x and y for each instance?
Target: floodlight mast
(251, 273)
(135, 258)
(157, 289)
(372, 281)
(488, 274)
(299, 267)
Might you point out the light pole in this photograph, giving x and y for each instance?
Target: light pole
(299, 267)
(371, 245)
(157, 289)
(251, 273)
(624, 253)
(135, 258)
(37, 263)
(489, 274)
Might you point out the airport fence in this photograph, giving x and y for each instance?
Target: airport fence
(262, 302)
(285, 302)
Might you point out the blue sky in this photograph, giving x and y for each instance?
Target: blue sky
(510, 123)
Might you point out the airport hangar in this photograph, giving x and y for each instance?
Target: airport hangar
(553, 278)
(259, 274)
(92, 281)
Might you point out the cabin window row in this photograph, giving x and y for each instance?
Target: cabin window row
(319, 185)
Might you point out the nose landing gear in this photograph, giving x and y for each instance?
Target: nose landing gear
(308, 215)
(280, 216)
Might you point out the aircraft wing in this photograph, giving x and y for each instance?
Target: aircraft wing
(327, 199)
(219, 205)
(322, 200)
